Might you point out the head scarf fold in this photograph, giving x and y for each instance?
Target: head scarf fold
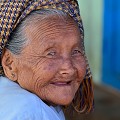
(13, 11)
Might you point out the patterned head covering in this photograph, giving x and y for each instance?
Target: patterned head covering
(11, 14)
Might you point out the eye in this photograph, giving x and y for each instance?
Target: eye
(76, 52)
(51, 54)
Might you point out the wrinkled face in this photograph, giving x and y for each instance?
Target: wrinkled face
(52, 65)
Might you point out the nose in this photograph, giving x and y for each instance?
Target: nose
(67, 68)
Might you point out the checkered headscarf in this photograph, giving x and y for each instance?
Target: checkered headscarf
(13, 11)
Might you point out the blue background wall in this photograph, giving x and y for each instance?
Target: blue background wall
(111, 43)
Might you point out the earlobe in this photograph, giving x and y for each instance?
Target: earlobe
(8, 64)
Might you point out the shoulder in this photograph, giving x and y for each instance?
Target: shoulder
(18, 103)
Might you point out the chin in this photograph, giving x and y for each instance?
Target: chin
(66, 101)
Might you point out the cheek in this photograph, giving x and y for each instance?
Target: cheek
(50, 67)
(42, 74)
(81, 68)
(25, 76)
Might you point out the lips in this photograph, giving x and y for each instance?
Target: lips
(62, 83)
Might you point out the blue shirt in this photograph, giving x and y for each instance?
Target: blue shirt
(19, 104)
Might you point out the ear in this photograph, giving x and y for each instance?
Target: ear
(9, 65)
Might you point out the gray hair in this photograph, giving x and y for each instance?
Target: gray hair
(17, 40)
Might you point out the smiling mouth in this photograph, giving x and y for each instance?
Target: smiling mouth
(62, 83)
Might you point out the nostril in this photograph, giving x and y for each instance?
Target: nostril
(70, 71)
(67, 67)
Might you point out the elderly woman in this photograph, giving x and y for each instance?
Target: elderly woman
(43, 64)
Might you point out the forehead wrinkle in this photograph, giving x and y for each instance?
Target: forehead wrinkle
(58, 24)
(52, 29)
(53, 21)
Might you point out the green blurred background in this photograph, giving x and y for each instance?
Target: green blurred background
(91, 12)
